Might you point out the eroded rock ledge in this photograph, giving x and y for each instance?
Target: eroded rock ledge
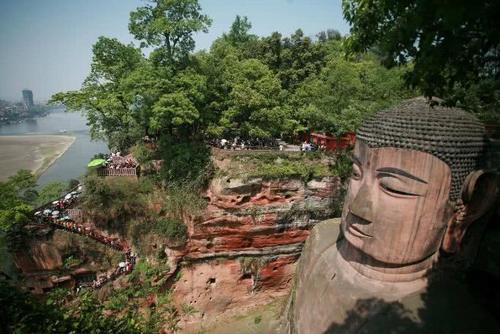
(242, 250)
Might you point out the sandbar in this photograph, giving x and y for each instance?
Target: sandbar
(33, 152)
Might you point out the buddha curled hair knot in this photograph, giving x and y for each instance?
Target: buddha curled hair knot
(450, 134)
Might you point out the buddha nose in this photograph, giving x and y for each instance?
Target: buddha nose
(362, 204)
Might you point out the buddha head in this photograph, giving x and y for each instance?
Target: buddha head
(417, 183)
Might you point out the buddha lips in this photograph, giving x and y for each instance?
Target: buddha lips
(357, 226)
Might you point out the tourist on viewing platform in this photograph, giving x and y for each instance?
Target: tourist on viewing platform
(223, 142)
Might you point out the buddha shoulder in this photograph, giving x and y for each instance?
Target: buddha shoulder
(323, 235)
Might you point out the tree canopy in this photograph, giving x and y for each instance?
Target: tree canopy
(22, 313)
(16, 196)
(168, 25)
(454, 46)
(244, 85)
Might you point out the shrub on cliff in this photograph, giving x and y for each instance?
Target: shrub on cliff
(16, 197)
(142, 153)
(182, 199)
(50, 192)
(175, 230)
(114, 201)
(343, 164)
(305, 166)
(185, 162)
(21, 313)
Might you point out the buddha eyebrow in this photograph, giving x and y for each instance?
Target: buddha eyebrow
(355, 159)
(400, 172)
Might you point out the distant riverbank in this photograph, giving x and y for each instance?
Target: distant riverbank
(33, 152)
(73, 163)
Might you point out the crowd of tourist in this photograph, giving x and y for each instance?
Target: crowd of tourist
(71, 226)
(56, 214)
(116, 161)
(261, 144)
(123, 268)
(238, 143)
(311, 147)
(55, 210)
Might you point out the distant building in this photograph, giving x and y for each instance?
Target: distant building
(332, 143)
(28, 99)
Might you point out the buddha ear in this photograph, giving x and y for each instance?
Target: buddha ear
(479, 193)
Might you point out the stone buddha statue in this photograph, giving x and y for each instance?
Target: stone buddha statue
(416, 188)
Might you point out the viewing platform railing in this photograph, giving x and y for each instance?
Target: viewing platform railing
(117, 172)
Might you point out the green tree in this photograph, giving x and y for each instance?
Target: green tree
(102, 97)
(127, 97)
(271, 50)
(481, 98)
(16, 195)
(300, 58)
(453, 45)
(24, 183)
(185, 161)
(254, 93)
(168, 25)
(21, 313)
(238, 33)
(178, 111)
(345, 92)
(329, 35)
(51, 191)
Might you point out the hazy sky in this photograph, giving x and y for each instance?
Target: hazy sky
(45, 45)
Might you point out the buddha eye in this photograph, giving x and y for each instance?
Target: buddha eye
(356, 172)
(396, 187)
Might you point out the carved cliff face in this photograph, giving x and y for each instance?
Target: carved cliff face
(396, 208)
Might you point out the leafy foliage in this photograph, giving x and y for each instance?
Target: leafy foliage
(16, 195)
(114, 201)
(173, 229)
(169, 26)
(145, 281)
(102, 97)
(245, 85)
(453, 46)
(21, 313)
(305, 166)
(180, 201)
(188, 309)
(51, 191)
(239, 31)
(71, 262)
(346, 91)
(188, 160)
(141, 153)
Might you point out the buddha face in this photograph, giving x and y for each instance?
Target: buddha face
(396, 208)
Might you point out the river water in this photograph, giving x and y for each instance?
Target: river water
(73, 163)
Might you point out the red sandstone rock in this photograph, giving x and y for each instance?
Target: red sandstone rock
(40, 256)
(257, 227)
(247, 215)
(223, 287)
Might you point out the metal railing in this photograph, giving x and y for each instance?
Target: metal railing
(49, 204)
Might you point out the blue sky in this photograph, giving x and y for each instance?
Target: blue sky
(45, 45)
